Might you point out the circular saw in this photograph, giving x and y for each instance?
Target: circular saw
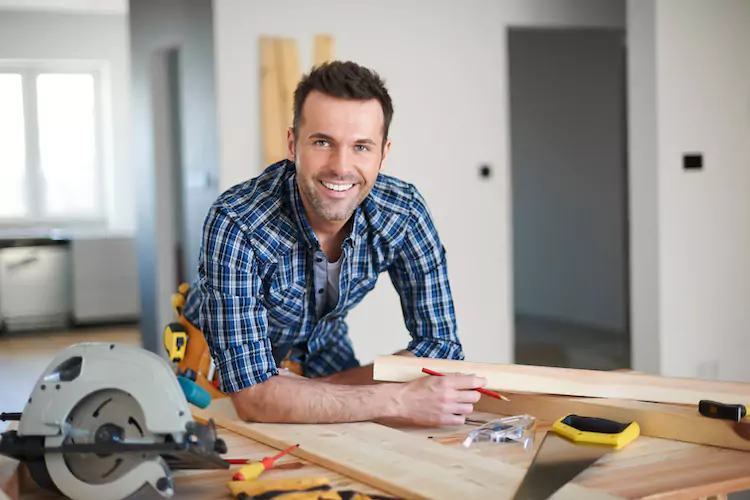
(110, 421)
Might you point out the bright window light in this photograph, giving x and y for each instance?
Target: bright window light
(66, 110)
(12, 147)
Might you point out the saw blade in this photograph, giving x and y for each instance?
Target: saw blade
(106, 417)
(557, 462)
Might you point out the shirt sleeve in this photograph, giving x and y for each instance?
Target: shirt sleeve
(232, 316)
(420, 276)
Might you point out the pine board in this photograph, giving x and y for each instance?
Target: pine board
(570, 382)
(656, 420)
(323, 49)
(271, 105)
(394, 461)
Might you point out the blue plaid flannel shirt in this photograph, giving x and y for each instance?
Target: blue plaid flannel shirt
(254, 298)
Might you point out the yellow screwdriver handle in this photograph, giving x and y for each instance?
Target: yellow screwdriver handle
(249, 472)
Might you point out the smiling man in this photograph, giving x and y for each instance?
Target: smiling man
(288, 254)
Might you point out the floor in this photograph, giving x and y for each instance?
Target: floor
(545, 342)
(25, 355)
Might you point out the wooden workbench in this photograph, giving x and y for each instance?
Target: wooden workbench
(648, 468)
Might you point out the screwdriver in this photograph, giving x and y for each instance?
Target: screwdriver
(252, 471)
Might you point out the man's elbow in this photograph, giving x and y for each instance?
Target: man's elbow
(250, 403)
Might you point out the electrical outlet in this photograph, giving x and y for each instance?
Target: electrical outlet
(708, 370)
(692, 161)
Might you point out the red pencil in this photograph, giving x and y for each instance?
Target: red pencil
(480, 389)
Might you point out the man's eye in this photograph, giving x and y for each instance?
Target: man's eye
(362, 147)
(321, 142)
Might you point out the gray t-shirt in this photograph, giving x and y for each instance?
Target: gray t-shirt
(326, 283)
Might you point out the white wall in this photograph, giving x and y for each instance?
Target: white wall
(445, 64)
(643, 188)
(567, 90)
(702, 90)
(98, 37)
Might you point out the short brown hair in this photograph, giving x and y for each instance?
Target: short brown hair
(345, 80)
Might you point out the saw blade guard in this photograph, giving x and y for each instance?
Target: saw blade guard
(107, 417)
(90, 367)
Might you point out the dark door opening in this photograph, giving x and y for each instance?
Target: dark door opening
(570, 197)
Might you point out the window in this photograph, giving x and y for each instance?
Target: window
(51, 162)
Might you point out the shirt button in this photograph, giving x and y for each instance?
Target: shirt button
(320, 291)
(319, 259)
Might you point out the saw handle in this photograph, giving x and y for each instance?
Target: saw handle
(590, 430)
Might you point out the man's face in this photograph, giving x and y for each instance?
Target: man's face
(338, 155)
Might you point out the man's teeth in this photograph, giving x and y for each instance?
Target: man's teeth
(337, 187)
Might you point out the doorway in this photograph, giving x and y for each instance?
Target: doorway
(567, 96)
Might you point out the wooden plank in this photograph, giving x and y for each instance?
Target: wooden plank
(396, 462)
(290, 74)
(273, 132)
(9, 478)
(212, 485)
(10, 472)
(323, 49)
(570, 382)
(655, 419)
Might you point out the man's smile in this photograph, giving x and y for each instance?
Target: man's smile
(337, 188)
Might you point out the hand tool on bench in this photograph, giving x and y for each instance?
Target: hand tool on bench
(478, 389)
(252, 471)
(722, 411)
(300, 488)
(108, 421)
(572, 445)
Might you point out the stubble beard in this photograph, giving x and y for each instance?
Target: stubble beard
(333, 211)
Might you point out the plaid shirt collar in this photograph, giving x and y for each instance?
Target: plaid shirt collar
(367, 210)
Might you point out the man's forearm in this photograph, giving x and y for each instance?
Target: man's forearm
(288, 399)
(362, 375)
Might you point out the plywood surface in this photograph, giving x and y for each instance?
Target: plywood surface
(647, 469)
(399, 463)
(570, 382)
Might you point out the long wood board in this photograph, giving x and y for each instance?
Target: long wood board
(322, 49)
(401, 464)
(9, 479)
(271, 104)
(570, 382)
(655, 419)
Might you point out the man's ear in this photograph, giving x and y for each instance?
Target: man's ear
(290, 144)
(386, 152)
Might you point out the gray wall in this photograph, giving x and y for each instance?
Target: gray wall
(568, 171)
(156, 27)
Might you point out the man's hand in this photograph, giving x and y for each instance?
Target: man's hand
(438, 400)
(425, 401)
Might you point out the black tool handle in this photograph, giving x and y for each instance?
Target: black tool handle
(722, 411)
(9, 416)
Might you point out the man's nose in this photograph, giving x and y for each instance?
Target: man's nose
(340, 161)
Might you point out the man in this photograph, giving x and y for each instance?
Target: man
(286, 255)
